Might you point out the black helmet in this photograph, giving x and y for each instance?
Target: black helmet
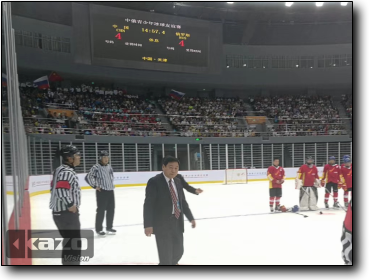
(104, 154)
(68, 151)
(310, 158)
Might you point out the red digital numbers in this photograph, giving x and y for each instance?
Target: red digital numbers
(118, 36)
(182, 43)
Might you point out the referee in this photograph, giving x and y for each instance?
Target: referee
(65, 201)
(101, 178)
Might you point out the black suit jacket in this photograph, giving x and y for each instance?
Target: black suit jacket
(185, 185)
(158, 204)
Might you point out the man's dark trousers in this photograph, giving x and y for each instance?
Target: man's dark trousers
(105, 202)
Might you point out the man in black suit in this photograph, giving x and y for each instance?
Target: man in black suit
(187, 187)
(164, 208)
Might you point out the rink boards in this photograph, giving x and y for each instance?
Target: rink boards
(41, 184)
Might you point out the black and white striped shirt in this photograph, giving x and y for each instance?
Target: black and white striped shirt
(65, 189)
(101, 176)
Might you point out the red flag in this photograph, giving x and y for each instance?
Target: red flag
(54, 77)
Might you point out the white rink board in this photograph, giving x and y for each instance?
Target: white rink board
(42, 182)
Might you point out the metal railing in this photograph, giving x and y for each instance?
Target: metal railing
(148, 157)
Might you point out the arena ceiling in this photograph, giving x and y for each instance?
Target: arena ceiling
(244, 12)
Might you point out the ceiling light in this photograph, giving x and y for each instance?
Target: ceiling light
(343, 3)
(244, 65)
(230, 2)
(227, 66)
(288, 4)
(319, 4)
(311, 67)
(297, 65)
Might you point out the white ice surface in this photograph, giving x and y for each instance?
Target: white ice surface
(234, 227)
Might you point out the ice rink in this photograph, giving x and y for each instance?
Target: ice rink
(234, 227)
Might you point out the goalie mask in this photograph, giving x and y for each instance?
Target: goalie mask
(310, 161)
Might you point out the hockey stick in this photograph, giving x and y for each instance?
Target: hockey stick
(334, 200)
(290, 210)
(302, 215)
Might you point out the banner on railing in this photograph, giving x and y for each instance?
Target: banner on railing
(255, 119)
(127, 179)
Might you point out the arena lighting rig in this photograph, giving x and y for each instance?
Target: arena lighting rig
(318, 4)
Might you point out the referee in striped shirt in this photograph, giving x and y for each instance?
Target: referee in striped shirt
(101, 178)
(65, 201)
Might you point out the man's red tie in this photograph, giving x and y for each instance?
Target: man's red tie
(174, 200)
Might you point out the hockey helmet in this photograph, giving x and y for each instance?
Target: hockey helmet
(68, 151)
(346, 160)
(103, 154)
(310, 159)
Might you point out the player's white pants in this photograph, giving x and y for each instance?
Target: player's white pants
(308, 198)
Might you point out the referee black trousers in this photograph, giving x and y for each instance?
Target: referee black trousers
(105, 203)
(69, 227)
(170, 243)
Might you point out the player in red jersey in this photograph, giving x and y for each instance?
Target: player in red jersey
(346, 171)
(276, 175)
(330, 178)
(307, 181)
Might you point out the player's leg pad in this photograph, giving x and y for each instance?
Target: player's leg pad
(303, 199)
(313, 198)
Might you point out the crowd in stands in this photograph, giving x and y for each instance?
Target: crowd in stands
(204, 117)
(347, 103)
(100, 111)
(96, 111)
(299, 115)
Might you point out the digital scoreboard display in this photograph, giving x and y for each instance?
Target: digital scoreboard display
(151, 40)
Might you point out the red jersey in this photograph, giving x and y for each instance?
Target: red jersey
(308, 175)
(347, 175)
(332, 173)
(275, 173)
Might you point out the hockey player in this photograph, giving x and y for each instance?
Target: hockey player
(346, 171)
(276, 175)
(307, 181)
(330, 179)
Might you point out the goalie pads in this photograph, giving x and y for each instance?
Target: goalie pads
(298, 183)
(308, 197)
(303, 199)
(313, 199)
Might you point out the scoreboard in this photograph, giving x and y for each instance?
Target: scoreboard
(149, 41)
(143, 40)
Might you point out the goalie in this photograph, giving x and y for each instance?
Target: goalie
(307, 182)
